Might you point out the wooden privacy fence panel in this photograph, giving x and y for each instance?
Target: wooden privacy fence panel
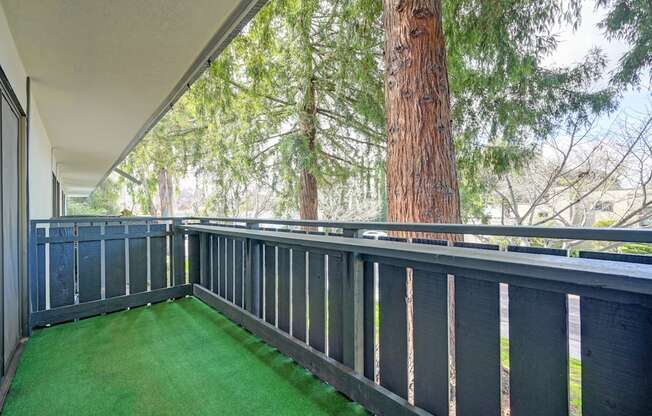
(84, 268)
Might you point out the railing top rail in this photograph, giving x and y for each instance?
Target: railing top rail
(634, 235)
(637, 235)
(601, 274)
(83, 219)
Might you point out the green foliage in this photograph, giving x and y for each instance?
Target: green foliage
(298, 55)
(604, 223)
(504, 101)
(246, 123)
(103, 201)
(636, 248)
(630, 20)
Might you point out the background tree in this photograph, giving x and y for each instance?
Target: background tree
(298, 92)
(629, 20)
(102, 201)
(591, 176)
(236, 143)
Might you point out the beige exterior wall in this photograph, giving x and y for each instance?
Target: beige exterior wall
(41, 161)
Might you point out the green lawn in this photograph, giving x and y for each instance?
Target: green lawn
(172, 358)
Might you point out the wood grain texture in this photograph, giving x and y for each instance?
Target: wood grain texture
(317, 301)
(137, 260)
(283, 256)
(616, 358)
(393, 328)
(299, 311)
(62, 263)
(270, 284)
(430, 311)
(477, 347)
(115, 263)
(335, 307)
(538, 352)
(90, 266)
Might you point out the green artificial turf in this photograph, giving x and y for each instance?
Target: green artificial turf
(173, 358)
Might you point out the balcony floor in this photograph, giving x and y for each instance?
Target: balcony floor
(171, 358)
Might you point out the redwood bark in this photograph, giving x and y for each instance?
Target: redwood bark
(308, 194)
(421, 173)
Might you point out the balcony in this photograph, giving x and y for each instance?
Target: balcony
(205, 316)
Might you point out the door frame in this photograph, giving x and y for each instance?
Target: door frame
(7, 91)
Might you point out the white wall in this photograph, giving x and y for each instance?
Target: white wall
(41, 162)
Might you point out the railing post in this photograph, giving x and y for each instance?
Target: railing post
(178, 255)
(253, 274)
(353, 309)
(32, 281)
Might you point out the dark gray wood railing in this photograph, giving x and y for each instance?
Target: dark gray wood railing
(312, 297)
(324, 300)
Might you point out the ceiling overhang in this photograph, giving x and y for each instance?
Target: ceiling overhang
(104, 72)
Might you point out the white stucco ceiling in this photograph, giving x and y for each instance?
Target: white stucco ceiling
(103, 71)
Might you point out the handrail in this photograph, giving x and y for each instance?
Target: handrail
(638, 235)
(603, 274)
(630, 235)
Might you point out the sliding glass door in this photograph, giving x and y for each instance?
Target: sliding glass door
(9, 228)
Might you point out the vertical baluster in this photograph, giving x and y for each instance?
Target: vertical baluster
(393, 328)
(316, 296)
(283, 288)
(137, 259)
(238, 270)
(90, 264)
(335, 306)
(299, 294)
(158, 258)
(477, 347)
(430, 303)
(369, 321)
(115, 262)
(270, 284)
(616, 358)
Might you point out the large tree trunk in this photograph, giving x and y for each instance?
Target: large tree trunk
(308, 196)
(421, 175)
